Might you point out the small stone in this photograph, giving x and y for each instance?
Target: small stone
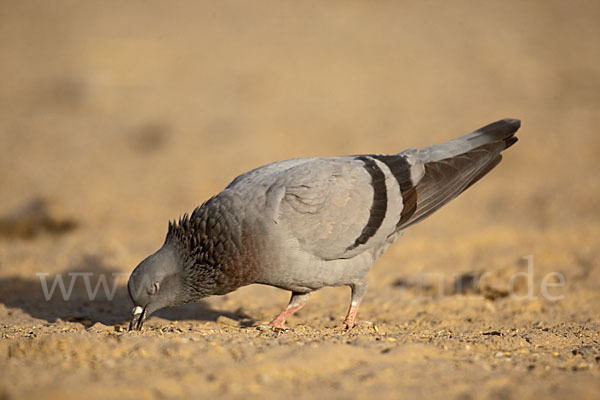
(263, 328)
(223, 320)
(263, 378)
(98, 326)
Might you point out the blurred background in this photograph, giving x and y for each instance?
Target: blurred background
(118, 116)
(127, 114)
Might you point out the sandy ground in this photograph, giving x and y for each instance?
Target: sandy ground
(115, 118)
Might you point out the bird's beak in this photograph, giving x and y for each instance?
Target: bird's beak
(138, 318)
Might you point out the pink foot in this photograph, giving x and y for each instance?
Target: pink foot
(345, 326)
(279, 321)
(350, 318)
(278, 324)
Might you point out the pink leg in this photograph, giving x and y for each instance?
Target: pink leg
(359, 288)
(350, 317)
(297, 301)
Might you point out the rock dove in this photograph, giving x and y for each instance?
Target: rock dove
(306, 223)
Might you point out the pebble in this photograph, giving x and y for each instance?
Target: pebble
(223, 320)
(264, 328)
(98, 327)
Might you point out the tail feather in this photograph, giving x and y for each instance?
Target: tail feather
(499, 131)
(454, 166)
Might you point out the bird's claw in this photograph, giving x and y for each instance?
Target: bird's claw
(345, 326)
(278, 326)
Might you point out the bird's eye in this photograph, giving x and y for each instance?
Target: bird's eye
(153, 289)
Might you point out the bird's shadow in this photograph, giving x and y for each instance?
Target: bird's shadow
(88, 293)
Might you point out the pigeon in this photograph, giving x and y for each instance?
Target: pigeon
(306, 223)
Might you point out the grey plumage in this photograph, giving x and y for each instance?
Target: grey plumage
(306, 223)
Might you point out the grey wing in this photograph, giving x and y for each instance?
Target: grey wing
(335, 208)
(340, 207)
(265, 173)
(428, 179)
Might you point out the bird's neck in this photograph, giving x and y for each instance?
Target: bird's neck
(217, 255)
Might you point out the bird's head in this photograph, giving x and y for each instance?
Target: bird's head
(157, 282)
